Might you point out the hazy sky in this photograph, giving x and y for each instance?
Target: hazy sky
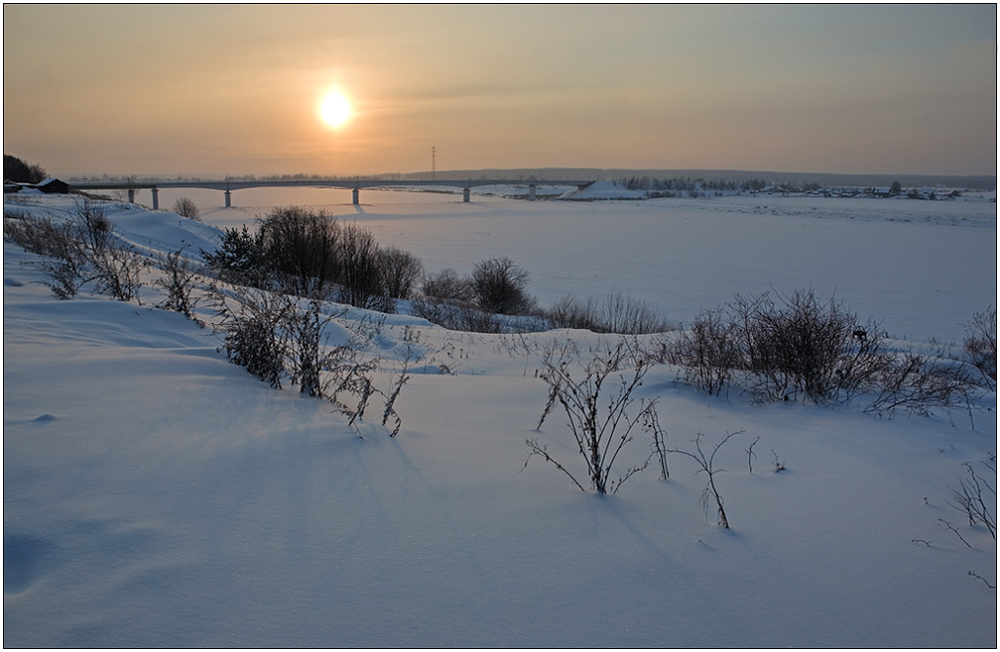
(230, 89)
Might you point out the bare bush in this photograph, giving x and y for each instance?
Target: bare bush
(59, 243)
(252, 323)
(709, 352)
(970, 499)
(918, 383)
(305, 357)
(401, 270)
(463, 318)
(707, 464)
(116, 271)
(500, 286)
(39, 235)
(300, 249)
(980, 345)
(95, 229)
(446, 285)
(796, 348)
(616, 313)
(599, 418)
(276, 340)
(116, 265)
(185, 207)
(362, 278)
(179, 280)
(809, 349)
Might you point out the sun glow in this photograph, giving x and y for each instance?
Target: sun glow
(335, 110)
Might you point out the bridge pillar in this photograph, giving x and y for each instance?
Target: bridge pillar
(465, 194)
(531, 192)
(131, 195)
(354, 193)
(228, 202)
(156, 198)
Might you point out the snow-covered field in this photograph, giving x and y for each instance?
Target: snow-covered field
(157, 495)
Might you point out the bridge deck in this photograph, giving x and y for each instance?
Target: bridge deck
(324, 183)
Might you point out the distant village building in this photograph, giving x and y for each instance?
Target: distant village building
(49, 186)
(54, 186)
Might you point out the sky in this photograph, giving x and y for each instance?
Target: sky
(215, 90)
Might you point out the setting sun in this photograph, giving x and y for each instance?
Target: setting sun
(335, 109)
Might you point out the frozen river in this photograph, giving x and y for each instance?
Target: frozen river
(925, 267)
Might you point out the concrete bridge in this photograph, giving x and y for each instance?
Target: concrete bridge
(354, 184)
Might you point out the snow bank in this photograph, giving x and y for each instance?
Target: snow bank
(604, 190)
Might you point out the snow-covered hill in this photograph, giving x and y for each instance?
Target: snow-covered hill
(157, 495)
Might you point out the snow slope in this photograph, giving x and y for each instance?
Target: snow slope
(156, 495)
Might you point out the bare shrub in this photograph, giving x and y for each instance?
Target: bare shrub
(500, 286)
(811, 349)
(707, 464)
(796, 348)
(305, 357)
(116, 271)
(456, 318)
(82, 251)
(616, 313)
(39, 235)
(446, 285)
(96, 230)
(116, 265)
(179, 280)
(800, 348)
(970, 499)
(59, 243)
(980, 345)
(252, 323)
(276, 339)
(401, 270)
(363, 283)
(918, 383)
(709, 352)
(185, 207)
(300, 249)
(598, 417)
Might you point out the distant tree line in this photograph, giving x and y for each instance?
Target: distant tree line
(14, 169)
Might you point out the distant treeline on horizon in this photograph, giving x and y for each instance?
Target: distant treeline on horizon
(738, 177)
